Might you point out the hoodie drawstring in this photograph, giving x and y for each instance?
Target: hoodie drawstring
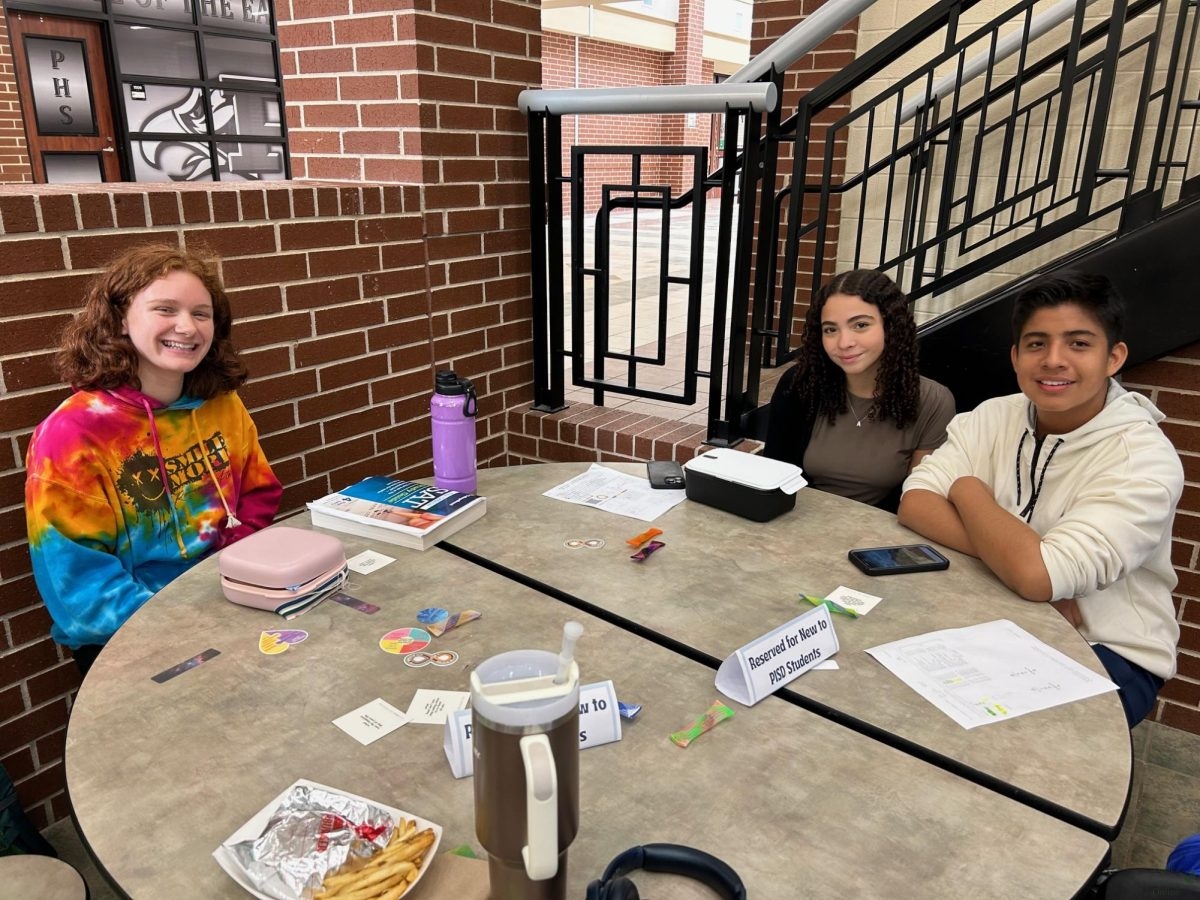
(231, 521)
(162, 473)
(1035, 481)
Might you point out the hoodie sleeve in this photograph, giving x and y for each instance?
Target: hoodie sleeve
(1114, 523)
(73, 544)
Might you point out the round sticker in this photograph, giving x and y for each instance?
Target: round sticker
(404, 640)
(418, 659)
(573, 543)
(444, 658)
(594, 543)
(431, 615)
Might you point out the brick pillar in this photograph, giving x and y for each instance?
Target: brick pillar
(686, 66)
(772, 21)
(426, 95)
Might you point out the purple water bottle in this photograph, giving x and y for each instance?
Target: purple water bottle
(453, 411)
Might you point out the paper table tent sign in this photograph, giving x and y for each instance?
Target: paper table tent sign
(767, 663)
(599, 723)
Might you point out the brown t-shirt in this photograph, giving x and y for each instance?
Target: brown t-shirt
(866, 462)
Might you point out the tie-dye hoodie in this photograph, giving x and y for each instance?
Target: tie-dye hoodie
(103, 534)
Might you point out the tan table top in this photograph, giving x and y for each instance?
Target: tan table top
(722, 581)
(160, 774)
(33, 877)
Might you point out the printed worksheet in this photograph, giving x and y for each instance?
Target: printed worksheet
(617, 492)
(989, 672)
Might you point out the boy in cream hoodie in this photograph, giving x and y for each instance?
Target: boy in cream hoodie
(1067, 491)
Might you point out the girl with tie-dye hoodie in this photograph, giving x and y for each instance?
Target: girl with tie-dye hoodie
(153, 462)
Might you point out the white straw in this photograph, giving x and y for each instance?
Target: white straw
(571, 633)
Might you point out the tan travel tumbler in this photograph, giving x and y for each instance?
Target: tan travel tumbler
(525, 737)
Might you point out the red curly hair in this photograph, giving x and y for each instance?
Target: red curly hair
(96, 355)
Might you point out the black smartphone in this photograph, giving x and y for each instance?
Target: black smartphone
(665, 473)
(898, 560)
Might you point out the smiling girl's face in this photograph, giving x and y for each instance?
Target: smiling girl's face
(170, 323)
(852, 334)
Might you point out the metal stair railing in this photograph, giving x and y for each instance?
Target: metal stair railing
(748, 101)
(963, 191)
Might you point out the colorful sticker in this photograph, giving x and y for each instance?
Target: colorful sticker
(404, 640)
(431, 614)
(444, 658)
(180, 668)
(418, 660)
(584, 543)
(354, 603)
(437, 629)
(277, 641)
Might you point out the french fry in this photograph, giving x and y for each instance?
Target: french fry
(387, 874)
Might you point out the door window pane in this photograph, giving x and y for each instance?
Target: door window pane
(230, 58)
(161, 52)
(245, 112)
(62, 97)
(250, 162)
(173, 109)
(171, 161)
(72, 168)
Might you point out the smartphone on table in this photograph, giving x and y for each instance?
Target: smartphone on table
(898, 560)
(665, 473)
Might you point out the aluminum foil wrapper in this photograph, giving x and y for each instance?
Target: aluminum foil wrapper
(310, 833)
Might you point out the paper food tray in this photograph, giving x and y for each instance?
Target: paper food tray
(254, 827)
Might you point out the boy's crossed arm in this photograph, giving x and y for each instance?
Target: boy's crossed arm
(971, 521)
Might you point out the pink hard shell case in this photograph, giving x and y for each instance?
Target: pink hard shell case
(272, 566)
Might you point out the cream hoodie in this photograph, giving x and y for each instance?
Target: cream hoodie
(1103, 499)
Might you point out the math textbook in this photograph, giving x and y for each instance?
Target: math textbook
(395, 511)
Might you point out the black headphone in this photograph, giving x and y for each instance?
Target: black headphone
(673, 859)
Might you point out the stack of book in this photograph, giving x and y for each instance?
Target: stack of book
(395, 511)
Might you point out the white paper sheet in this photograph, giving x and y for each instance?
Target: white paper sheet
(617, 492)
(371, 721)
(989, 672)
(429, 707)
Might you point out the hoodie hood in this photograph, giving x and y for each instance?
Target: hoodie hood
(135, 398)
(1122, 409)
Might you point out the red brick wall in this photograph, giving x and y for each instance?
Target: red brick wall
(348, 297)
(1173, 383)
(14, 156)
(602, 64)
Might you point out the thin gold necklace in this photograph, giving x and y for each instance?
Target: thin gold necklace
(853, 411)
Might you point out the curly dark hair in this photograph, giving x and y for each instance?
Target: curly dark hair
(95, 355)
(821, 385)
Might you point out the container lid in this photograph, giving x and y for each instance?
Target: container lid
(748, 470)
(280, 557)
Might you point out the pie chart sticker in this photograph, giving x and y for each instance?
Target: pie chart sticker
(404, 640)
